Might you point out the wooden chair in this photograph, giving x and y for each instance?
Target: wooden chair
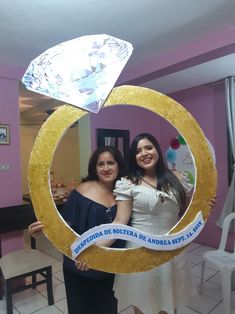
(23, 263)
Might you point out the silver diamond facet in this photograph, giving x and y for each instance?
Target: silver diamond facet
(81, 71)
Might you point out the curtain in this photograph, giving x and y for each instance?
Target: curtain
(229, 205)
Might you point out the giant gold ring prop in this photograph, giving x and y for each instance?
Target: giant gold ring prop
(55, 228)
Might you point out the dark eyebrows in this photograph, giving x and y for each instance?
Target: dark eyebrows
(102, 162)
(148, 146)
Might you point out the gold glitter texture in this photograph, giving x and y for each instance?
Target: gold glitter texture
(55, 228)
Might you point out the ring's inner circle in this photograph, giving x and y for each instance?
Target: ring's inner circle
(55, 228)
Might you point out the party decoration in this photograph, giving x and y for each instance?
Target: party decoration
(181, 139)
(81, 71)
(171, 157)
(165, 242)
(175, 144)
(180, 159)
(62, 236)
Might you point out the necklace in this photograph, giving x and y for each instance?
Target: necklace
(149, 183)
(155, 188)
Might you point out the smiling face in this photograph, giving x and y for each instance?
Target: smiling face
(107, 168)
(146, 155)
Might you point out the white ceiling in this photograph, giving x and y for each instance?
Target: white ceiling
(154, 27)
(207, 72)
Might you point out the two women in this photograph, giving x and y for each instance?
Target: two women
(154, 199)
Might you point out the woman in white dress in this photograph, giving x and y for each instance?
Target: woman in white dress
(154, 198)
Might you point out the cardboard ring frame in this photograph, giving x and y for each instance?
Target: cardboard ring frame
(56, 229)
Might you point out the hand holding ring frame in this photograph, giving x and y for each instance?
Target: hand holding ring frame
(35, 229)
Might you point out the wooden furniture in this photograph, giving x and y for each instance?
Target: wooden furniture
(16, 218)
(24, 263)
(59, 203)
(19, 217)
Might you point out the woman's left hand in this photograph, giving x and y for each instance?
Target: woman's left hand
(81, 266)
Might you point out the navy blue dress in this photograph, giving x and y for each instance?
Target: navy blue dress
(88, 292)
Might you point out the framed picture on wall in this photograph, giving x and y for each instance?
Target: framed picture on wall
(4, 134)
(117, 138)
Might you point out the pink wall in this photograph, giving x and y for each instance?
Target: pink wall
(10, 181)
(131, 118)
(207, 105)
(10, 192)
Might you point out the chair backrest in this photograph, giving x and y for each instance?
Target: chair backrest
(225, 230)
(15, 218)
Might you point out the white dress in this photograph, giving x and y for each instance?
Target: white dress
(168, 286)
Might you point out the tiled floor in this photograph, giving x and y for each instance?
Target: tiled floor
(35, 301)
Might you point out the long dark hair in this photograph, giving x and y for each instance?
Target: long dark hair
(122, 166)
(166, 179)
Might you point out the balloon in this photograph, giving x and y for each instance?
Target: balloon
(181, 139)
(175, 144)
(171, 155)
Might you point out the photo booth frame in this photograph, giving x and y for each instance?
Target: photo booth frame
(56, 229)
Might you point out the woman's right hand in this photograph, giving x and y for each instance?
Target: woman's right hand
(81, 266)
(35, 229)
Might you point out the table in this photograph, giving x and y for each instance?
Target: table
(59, 203)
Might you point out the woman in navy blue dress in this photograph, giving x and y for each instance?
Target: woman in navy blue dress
(92, 203)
